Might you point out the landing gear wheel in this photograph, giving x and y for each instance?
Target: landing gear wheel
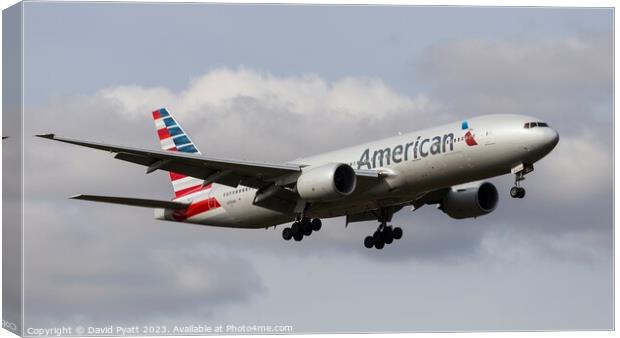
(287, 234)
(296, 229)
(517, 192)
(377, 237)
(379, 245)
(388, 235)
(306, 227)
(397, 233)
(298, 236)
(316, 224)
(369, 242)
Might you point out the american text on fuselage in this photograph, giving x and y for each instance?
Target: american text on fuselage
(402, 152)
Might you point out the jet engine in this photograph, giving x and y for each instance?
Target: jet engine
(470, 202)
(326, 182)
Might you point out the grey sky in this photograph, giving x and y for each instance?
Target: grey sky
(277, 82)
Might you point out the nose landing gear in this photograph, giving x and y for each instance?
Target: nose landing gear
(517, 191)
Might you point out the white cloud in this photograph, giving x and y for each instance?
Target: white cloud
(510, 244)
(574, 63)
(98, 265)
(231, 110)
(579, 169)
(561, 79)
(308, 94)
(136, 100)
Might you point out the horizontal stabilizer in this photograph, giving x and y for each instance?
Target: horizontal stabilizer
(135, 202)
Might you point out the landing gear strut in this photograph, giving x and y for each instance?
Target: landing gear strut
(518, 191)
(303, 226)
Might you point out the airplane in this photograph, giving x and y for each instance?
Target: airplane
(444, 166)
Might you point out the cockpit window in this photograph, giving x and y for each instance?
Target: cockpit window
(535, 124)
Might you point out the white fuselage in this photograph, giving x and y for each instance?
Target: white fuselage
(414, 163)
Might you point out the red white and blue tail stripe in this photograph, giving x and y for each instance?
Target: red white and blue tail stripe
(173, 138)
(171, 135)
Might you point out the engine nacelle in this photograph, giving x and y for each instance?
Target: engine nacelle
(326, 182)
(470, 202)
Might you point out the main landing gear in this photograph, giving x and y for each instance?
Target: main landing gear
(300, 228)
(518, 191)
(384, 235)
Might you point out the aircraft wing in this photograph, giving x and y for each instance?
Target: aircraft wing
(211, 170)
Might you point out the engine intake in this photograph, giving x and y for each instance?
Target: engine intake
(326, 182)
(470, 202)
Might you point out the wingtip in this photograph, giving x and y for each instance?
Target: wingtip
(75, 197)
(47, 136)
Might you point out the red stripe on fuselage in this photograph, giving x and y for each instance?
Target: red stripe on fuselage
(196, 208)
(176, 176)
(191, 190)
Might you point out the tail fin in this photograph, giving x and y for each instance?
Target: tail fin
(173, 138)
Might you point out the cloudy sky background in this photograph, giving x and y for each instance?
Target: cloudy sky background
(277, 82)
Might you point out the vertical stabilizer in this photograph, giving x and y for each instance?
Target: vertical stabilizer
(173, 138)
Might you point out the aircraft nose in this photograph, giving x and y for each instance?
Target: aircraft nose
(552, 137)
